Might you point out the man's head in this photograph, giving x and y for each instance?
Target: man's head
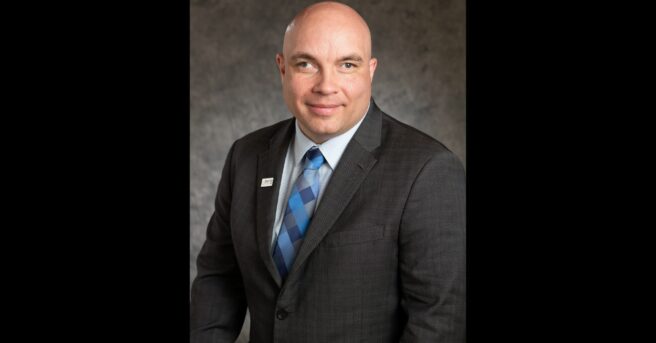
(327, 69)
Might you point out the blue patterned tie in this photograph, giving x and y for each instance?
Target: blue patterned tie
(300, 208)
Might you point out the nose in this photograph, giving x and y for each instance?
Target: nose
(325, 83)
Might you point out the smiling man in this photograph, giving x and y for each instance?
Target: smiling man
(327, 80)
(340, 224)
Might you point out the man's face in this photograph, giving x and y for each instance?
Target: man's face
(326, 70)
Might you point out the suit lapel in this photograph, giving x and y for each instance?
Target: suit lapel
(353, 167)
(270, 163)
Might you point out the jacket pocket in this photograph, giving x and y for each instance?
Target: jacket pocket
(358, 236)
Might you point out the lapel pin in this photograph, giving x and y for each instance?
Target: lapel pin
(267, 182)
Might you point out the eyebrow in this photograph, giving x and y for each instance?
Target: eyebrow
(352, 57)
(302, 56)
(306, 56)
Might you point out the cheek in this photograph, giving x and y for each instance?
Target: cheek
(354, 87)
(298, 86)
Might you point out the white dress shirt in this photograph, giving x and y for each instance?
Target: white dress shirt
(332, 151)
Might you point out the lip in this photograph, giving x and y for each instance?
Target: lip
(323, 109)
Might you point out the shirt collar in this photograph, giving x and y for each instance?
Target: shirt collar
(331, 149)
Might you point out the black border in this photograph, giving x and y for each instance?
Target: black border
(102, 172)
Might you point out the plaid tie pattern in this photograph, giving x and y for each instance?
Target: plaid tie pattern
(300, 207)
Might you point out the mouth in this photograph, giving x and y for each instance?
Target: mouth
(323, 109)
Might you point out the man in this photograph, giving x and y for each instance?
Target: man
(340, 224)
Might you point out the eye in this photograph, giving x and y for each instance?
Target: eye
(304, 65)
(349, 66)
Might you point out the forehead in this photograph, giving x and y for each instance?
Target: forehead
(327, 36)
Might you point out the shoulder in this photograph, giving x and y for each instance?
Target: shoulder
(409, 145)
(261, 139)
(407, 152)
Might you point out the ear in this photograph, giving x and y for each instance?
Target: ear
(280, 60)
(373, 63)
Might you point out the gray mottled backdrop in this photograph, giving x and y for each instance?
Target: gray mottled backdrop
(235, 87)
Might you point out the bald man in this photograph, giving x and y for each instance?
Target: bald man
(340, 224)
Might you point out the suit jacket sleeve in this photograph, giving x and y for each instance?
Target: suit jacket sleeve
(218, 303)
(432, 253)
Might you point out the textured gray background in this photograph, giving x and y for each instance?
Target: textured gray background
(235, 87)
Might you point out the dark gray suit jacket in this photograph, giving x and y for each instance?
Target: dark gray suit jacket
(383, 258)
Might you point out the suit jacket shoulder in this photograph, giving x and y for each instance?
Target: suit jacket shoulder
(410, 144)
(260, 140)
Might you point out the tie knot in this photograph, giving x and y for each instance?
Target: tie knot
(314, 158)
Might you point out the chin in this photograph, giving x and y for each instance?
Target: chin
(322, 132)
